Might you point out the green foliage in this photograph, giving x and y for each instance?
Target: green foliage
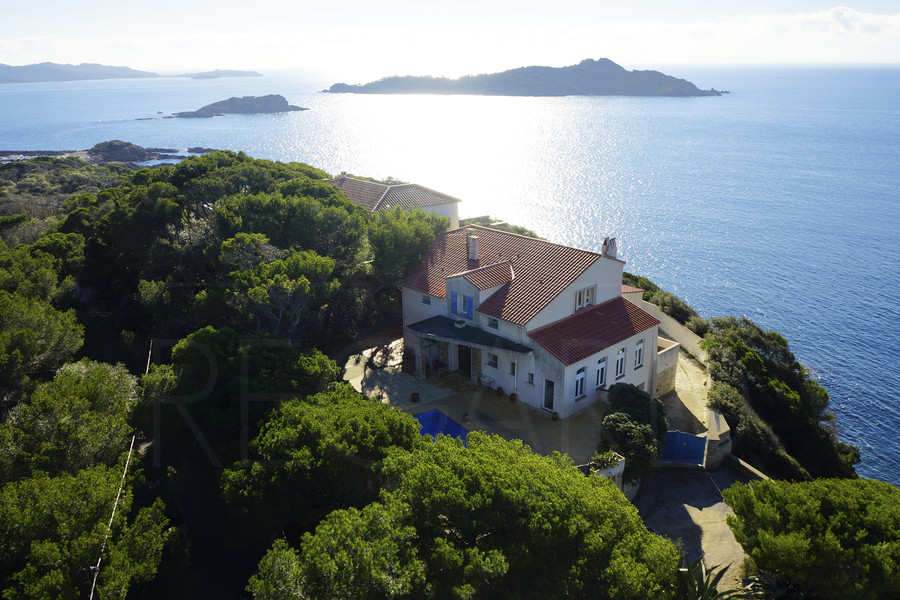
(836, 538)
(278, 577)
(667, 302)
(492, 518)
(761, 367)
(52, 531)
(45, 269)
(751, 436)
(672, 305)
(77, 420)
(34, 338)
(695, 582)
(284, 296)
(329, 446)
(399, 239)
(635, 426)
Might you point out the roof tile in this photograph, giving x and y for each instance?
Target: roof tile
(542, 270)
(378, 196)
(592, 330)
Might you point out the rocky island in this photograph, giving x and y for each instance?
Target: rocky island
(588, 78)
(273, 103)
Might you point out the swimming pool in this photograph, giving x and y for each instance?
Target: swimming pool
(434, 423)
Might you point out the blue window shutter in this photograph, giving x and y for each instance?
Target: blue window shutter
(468, 307)
(453, 302)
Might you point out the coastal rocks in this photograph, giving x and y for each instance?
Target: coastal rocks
(273, 103)
(126, 153)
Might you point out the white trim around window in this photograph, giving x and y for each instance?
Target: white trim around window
(639, 354)
(620, 363)
(601, 372)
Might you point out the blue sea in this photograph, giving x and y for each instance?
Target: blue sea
(778, 201)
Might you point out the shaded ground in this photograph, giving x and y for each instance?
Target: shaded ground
(376, 372)
(686, 406)
(685, 505)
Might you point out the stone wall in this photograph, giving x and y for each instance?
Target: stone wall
(689, 340)
(666, 366)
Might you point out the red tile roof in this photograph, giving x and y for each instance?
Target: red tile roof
(491, 276)
(379, 196)
(627, 289)
(542, 270)
(592, 330)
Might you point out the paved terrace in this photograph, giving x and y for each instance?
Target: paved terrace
(377, 373)
(682, 504)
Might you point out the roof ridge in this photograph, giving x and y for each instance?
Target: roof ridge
(527, 237)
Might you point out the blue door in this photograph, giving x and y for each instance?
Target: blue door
(684, 448)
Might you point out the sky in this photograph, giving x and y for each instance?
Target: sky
(365, 39)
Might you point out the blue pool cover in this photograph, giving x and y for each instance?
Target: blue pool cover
(434, 423)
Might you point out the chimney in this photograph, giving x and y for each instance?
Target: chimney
(608, 248)
(343, 175)
(472, 246)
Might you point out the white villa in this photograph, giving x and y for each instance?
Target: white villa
(541, 320)
(380, 196)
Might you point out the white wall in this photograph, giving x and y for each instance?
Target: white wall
(447, 210)
(414, 311)
(605, 273)
(635, 376)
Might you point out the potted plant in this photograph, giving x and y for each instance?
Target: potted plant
(513, 397)
(415, 396)
(555, 416)
(460, 323)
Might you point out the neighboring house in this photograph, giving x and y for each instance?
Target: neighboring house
(545, 321)
(379, 196)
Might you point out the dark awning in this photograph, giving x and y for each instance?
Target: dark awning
(444, 329)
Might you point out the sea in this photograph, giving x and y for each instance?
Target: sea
(779, 201)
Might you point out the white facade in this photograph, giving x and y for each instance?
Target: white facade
(541, 375)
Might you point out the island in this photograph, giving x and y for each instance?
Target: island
(590, 77)
(48, 71)
(220, 73)
(273, 103)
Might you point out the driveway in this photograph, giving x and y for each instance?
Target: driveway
(685, 505)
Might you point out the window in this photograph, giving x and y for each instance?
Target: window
(601, 372)
(639, 354)
(462, 307)
(493, 323)
(492, 360)
(579, 382)
(531, 379)
(584, 297)
(426, 300)
(512, 368)
(620, 363)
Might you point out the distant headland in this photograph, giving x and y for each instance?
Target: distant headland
(48, 71)
(220, 73)
(273, 103)
(588, 78)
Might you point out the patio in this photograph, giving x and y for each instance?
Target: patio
(377, 372)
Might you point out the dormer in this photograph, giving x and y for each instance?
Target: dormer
(585, 297)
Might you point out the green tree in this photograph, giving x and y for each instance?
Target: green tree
(399, 239)
(77, 420)
(329, 446)
(52, 530)
(836, 538)
(635, 426)
(34, 338)
(760, 365)
(492, 518)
